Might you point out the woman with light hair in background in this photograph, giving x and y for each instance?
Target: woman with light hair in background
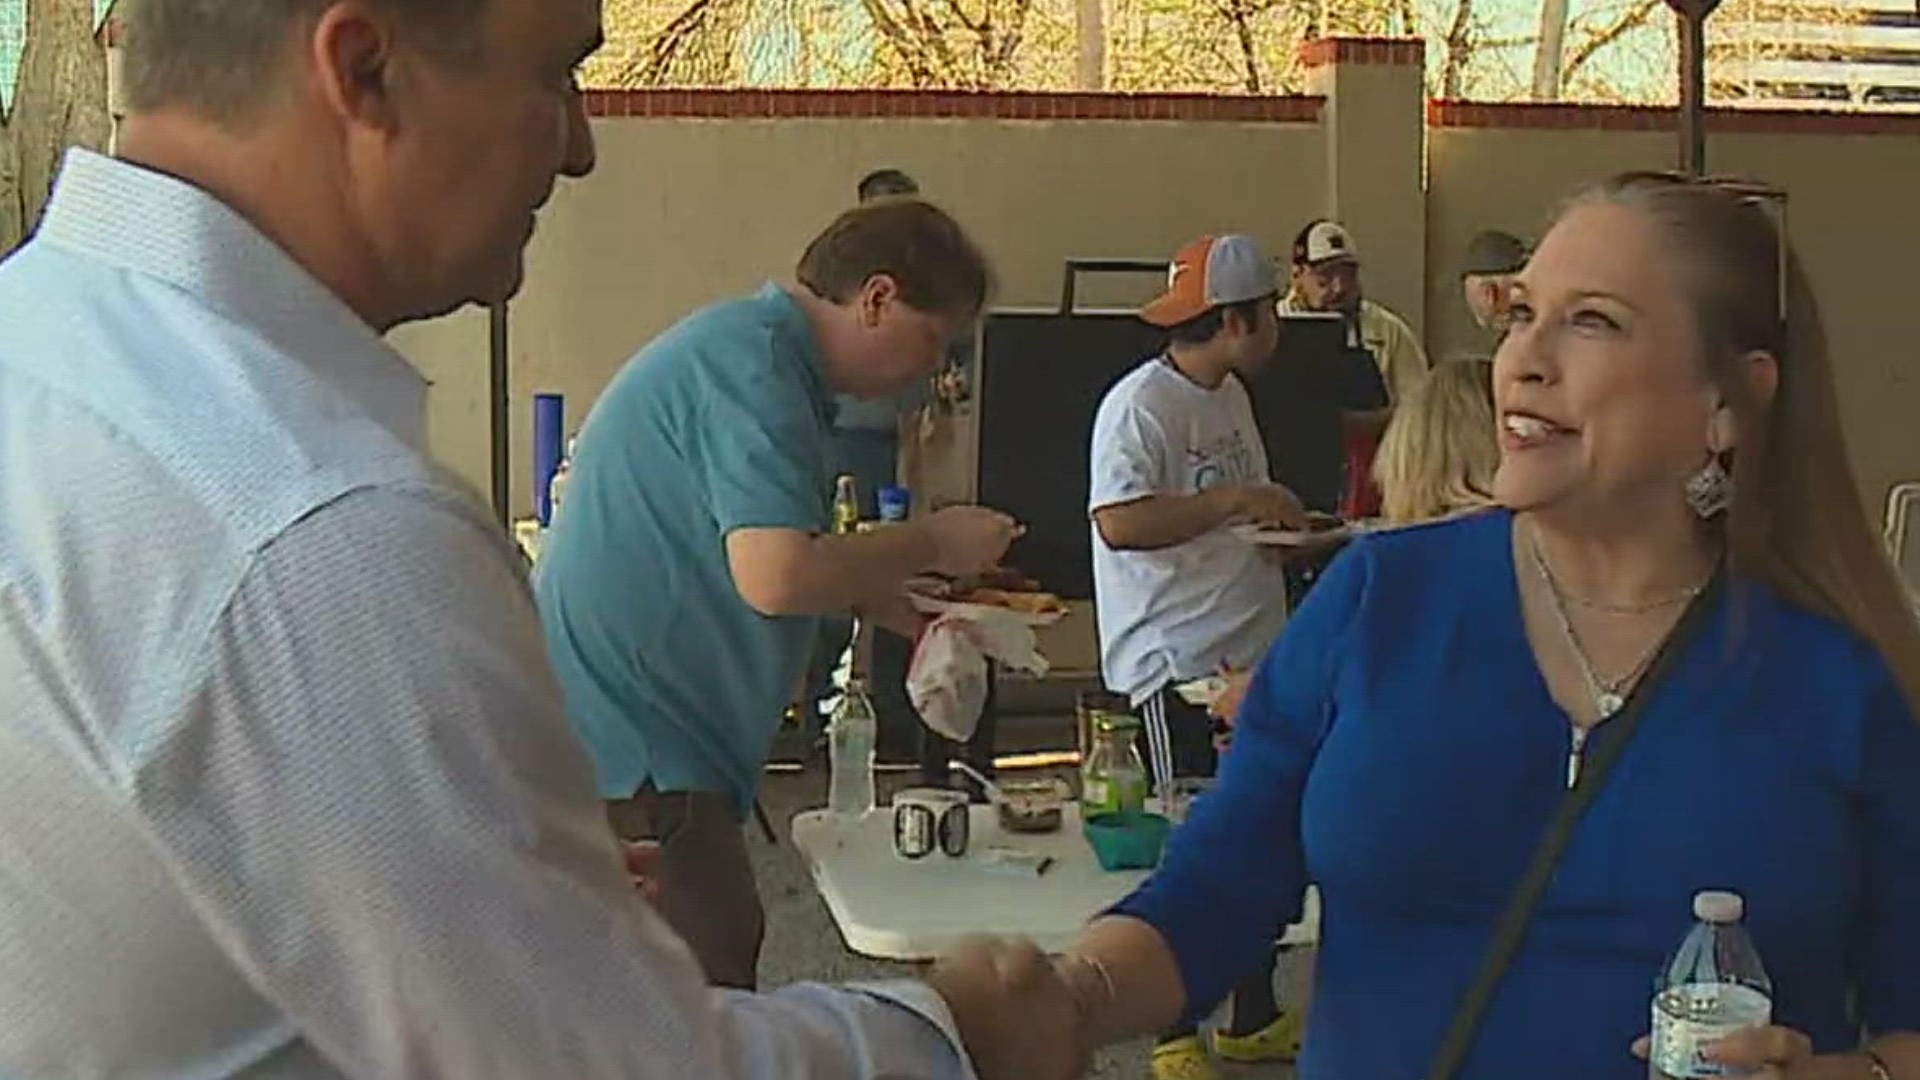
(1680, 610)
(1439, 454)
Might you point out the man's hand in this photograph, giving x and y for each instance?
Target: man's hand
(1268, 504)
(970, 539)
(1019, 1018)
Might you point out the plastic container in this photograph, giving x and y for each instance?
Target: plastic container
(851, 735)
(1128, 840)
(1713, 986)
(894, 503)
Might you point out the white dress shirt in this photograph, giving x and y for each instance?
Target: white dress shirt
(285, 789)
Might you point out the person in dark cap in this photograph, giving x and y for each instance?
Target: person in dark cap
(882, 183)
(1486, 277)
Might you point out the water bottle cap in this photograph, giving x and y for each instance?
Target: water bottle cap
(1718, 907)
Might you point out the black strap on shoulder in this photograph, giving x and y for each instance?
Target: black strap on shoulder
(1609, 740)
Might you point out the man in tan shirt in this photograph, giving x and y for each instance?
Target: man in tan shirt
(1326, 278)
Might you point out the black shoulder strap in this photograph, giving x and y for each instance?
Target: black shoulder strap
(1609, 740)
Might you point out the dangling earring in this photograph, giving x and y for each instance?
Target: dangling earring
(1710, 491)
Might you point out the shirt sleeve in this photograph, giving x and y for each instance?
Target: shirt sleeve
(1405, 362)
(1889, 991)
(1129, 457)
(375, 805)
(755, 441)
(1235, 873)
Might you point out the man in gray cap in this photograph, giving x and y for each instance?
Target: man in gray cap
(1486, 277)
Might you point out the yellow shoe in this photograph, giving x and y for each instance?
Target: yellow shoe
(1183, 1059)
(1278, 1041)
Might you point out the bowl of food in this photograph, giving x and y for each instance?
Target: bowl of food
(1031, 806)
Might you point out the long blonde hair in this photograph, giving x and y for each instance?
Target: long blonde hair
(1796, 522)
(1439, 453)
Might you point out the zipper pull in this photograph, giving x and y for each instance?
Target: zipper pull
(1576, 743)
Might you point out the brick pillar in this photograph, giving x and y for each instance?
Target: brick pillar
(1375, 142)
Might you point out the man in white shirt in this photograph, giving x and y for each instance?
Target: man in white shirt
(1177, 459)
(285, 788)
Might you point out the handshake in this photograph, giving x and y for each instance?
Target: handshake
(1022, 1015)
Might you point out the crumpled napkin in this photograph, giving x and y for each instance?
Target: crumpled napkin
(947, 680)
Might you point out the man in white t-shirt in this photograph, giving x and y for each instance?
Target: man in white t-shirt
(1176, 460)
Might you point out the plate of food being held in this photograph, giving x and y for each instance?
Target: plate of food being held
(999, 591)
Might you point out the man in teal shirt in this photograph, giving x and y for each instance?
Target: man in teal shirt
(680, 591)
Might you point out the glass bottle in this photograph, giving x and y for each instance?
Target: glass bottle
(846, 506)
(1112, 779)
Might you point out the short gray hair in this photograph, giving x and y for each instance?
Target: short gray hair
(219, 57)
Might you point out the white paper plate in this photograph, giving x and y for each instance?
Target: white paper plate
(1254, 534)
(927, 605)
(1202, 693)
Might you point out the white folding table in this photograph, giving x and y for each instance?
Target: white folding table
(897, 909)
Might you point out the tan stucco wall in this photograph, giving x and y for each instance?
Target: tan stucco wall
(685, 212)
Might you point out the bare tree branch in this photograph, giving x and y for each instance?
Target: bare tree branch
(1631, 19)
(1459, 48)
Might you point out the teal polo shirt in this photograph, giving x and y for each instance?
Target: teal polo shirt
(721, 423)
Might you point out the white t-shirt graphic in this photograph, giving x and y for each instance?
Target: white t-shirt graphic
(1180, 612)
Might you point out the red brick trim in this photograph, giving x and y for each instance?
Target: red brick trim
(1469, 114)
(907, 104)
(1321, 52)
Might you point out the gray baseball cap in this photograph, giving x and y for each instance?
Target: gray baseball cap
(1495, 252)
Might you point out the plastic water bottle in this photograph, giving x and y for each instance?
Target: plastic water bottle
(851, 733)
(1713, 987)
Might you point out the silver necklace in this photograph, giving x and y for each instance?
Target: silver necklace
(1644, 608)
(1609, 695)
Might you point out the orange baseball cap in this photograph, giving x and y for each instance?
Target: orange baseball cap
(1211, 272)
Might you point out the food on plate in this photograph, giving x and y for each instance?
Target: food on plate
(1319, 522)
(1000, 587)
(1027, 603)
(1005, 578)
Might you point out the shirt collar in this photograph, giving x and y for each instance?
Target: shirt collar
(144, 222)
(790, 321)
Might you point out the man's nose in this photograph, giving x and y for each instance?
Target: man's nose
(580, 158)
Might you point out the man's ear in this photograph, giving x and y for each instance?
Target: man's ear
(351, 47)
(880, 291)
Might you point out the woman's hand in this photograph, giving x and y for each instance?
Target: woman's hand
(1226, 706)
(1779, 1053)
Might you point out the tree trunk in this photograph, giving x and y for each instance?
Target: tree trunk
(60, 101)
(1459, 45)
(1547, 67)
(1090, 27)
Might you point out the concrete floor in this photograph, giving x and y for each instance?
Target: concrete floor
(803, 944)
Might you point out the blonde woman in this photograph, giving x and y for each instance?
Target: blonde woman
(1670, 446)
(1439, 454)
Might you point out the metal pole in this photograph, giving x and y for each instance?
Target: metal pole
(498, 388)
(1693, 82)
(1693, 94)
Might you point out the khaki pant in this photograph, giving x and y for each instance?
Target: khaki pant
(707, 891)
